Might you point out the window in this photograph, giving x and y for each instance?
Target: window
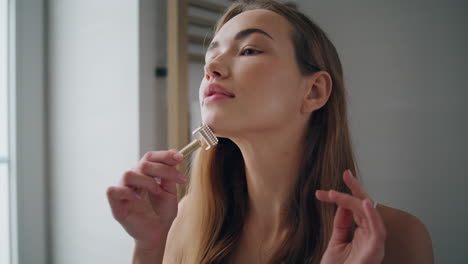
(4, 155)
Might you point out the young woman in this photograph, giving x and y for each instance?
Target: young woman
(280, 186)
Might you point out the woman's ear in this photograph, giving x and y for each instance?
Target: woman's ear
(317, 90)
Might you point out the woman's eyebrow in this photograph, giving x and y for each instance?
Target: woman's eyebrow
(240, 35)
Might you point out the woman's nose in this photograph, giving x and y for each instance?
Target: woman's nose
(214, 69)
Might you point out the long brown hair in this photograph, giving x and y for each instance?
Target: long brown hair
(217, 197)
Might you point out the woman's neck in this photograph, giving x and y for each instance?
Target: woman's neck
(272, 166)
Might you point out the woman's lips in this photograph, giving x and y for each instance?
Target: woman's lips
(215, 97)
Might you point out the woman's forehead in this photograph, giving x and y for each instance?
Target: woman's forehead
(268, 21)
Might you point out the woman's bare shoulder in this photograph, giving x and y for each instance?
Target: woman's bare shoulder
(408, 240)
(174, 241)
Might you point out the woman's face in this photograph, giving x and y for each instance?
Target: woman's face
(253, 57)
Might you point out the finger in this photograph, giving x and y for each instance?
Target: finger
(333, 196)
(354, 185)
(169, 186)
(376, 224)
(137, 180)
(342, 225)
(161, 171)
(118, 197)
(323, 196)
(347, 201)
(163, 156)
(119, 193)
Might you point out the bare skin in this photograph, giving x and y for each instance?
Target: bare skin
(400, 247)
(406, 239)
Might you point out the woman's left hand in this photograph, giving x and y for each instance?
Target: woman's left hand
(368, 243)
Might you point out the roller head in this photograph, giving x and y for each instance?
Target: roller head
(207, 136)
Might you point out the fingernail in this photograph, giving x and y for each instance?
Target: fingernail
(137, 196)
(178, 156)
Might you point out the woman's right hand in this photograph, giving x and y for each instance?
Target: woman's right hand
(144, 207)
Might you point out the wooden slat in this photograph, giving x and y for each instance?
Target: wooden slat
(199, 40)
(207, 5)
(199, 21)
(178, 133)
(197, 58)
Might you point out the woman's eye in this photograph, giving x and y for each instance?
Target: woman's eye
(250, 52)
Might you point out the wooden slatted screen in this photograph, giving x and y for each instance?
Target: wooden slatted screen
(178, 57)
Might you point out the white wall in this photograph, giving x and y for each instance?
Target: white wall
(405, 67)
(153, 94)
(94, 125)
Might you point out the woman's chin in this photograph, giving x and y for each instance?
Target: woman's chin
(222, 127)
